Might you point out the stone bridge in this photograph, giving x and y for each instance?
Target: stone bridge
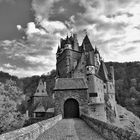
(83, 128)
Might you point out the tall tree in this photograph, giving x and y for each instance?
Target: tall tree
(10, 97)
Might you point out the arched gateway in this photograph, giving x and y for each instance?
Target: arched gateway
(71, 98)
(71, 108)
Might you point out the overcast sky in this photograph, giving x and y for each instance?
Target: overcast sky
(112, 25)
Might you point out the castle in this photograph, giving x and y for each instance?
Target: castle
(83, 83)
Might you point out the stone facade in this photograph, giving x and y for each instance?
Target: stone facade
(109, 131)
(71, 88)
(78, 95)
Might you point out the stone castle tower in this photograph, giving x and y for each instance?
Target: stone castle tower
(83, 83)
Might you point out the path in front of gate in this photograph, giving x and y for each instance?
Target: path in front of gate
(70, 129)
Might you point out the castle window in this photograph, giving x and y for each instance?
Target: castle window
(43, 91)
(93, 94)
(37, 90)
(104, 86)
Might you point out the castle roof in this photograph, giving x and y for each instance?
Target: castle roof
(103, 73)
(70, 83)
(58, 50)
(50, 110)
(40, 109)
(86, 45)
(68, 40)
(41, 89)
(96, 50)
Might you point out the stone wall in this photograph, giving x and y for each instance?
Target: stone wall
(78, 95)
(109, 131)
(31, 132)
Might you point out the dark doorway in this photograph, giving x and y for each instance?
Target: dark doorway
(71, 109)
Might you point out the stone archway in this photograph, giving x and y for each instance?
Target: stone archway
(71, 108)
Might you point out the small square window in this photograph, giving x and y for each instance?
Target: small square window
(93, 94)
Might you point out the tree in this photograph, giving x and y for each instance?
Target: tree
(10, 97)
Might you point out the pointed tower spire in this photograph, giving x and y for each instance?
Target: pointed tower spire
(87, 43)
(96, 50)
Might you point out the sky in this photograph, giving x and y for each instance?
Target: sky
(30, 31)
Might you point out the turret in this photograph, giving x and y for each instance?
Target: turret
(76, 45)
(90, 70)
(58, 51)
(68, 44)
(97, 58)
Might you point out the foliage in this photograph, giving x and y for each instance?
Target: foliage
(127, 86)
(10, 117)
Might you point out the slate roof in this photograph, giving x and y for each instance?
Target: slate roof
(41, 91)
(40, 109)
(58, 50)
(70, 83)
(103, 72)
(86, 45)
(40, 94)
(50, 110)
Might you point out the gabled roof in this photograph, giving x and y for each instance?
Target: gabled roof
(86, 45)
(103, 73)
(40, 109)
(41, 91)
(50, 110)
(70, 83)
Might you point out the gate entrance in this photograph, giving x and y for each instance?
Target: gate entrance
(71, 108)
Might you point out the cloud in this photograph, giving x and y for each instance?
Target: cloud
(8, 1)
(128, 50)
(61, 10)
(9, 66)
(112, 25)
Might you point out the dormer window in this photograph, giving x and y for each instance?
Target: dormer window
(37, 90)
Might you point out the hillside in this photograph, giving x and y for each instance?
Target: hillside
(127, 77)
(128, 120)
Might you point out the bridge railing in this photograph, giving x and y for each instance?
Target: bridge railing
(109, 131)
(31, 132)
